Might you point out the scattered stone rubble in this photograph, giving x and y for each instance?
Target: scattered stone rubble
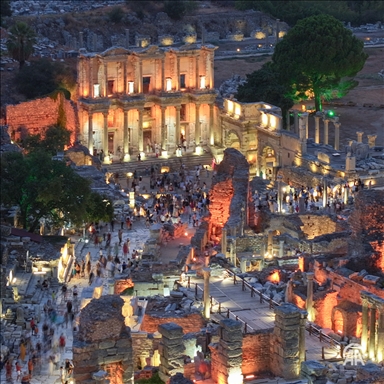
(229, 87)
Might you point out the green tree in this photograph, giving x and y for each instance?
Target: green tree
(116, 14)
(175, 9)
(263, 85)
(98, 208)
(20, 42)
(315, 56)
(43, 77)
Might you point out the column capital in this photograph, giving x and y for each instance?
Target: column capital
(337, 124)
(206, 272)
(177, 107)
(310, 275)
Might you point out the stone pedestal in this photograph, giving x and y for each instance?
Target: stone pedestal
(171, 349)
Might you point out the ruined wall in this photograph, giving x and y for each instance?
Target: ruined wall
(191, 323)
(143, 345)
(256, 352)
(317, 225)
(323, 309)
(33, 117)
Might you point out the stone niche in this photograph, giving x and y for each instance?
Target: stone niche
(166, 40)
(103, 342)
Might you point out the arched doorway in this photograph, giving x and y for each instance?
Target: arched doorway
(338, 322)
(233, 140)
(267, 169)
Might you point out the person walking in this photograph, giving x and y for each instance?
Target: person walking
(30, 367)
(120, 234)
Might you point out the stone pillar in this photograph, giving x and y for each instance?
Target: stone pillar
(81, 40)
(211, 128)
(359, 136)
(126, 137)
(372, 334)
(270, 243)
(177, 133)
(364, 323)
(288, 120)
(286, 350)
(281, 248)
(309, 301)
(140, 131)
(197, 124)
(90, 132)
(207, 301)
(371, 140)
(171, 349)
(163, 128)
(303, 321)
(197, 72)
(325, 192)
(105, 136)
(326, 126)
(380, 335)
(177, 73)
(140, 82)
(289, 291)
(227, 354)
(105, 79)
(317, 128)
(90, 79)
(296, 121)
(127, 38)
(163, 74)
(224, 242)
(337, 135)
(232, 248)
(243, 264)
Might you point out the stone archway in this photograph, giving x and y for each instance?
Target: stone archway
(338, 323)
(233, 140)
(268, 163)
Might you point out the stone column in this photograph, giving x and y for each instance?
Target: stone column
(281, 248)
(197, 124)
(232, 249)
(270, 243)
(105, 136)
(163, 128)
(177, 73)
(224, 242)
(380, 335)
(326, 124)
(325, 192)
(309, 301)
(126, 137)
(197, 72)
(212, 71)
(90, 132)
(296, 121)
(359, 136)
(303, 321)
(289, 291)
(163, 74)
(337, 135)
(140, 130)
(81, 40)
(90, 79)
(177, 133)
(207, 301)
(364, 323)
(372, 334)
(317, 128)
(371, 140)
(105, 79)
(140, 82)
(211, 128)
(125, 83)
(171, 349)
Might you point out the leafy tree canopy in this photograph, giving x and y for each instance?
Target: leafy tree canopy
(116, 14)
(20, 42)
(43, 77)
(263, 85)
(315, 55)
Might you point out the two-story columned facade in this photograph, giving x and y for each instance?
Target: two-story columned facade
(133, 100)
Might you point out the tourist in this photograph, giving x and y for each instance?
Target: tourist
(120, 235)
(62, 343)
(30, 367)
(23, 351)
(8, 370)
(25, 379)
(68, 367)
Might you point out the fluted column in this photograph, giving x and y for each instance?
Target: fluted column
(303, 321)
(162, 74)
(207, 304)
(126, 137)
(211, 127)
(105, 135)
(105, 79)
(364, 325)
(317, 129)
(380, 335)
(212, 71)
(177, 73)
(90, 80)
(326, 124)
(197, 72)
(337, 135)
(140, 79)
(90, 132)
(140, 131)
(177, 108)
(372, 334)
(197, 124)
(163, 128)
(125, 78)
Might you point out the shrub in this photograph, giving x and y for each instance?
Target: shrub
(116, 14)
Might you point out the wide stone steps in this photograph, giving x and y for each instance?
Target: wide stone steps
(174, 164)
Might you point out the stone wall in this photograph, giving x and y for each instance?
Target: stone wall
(33, 117)
(256, 352)
(102, 340)
(144, 346)
(190, 323)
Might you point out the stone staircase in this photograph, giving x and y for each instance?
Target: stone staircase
(190, 160)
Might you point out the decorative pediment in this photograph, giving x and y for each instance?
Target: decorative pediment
(115, 51)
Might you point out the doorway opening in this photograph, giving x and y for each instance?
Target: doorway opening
(111, 136)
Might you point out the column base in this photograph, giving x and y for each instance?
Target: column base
(107, 160)
(127, 157)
